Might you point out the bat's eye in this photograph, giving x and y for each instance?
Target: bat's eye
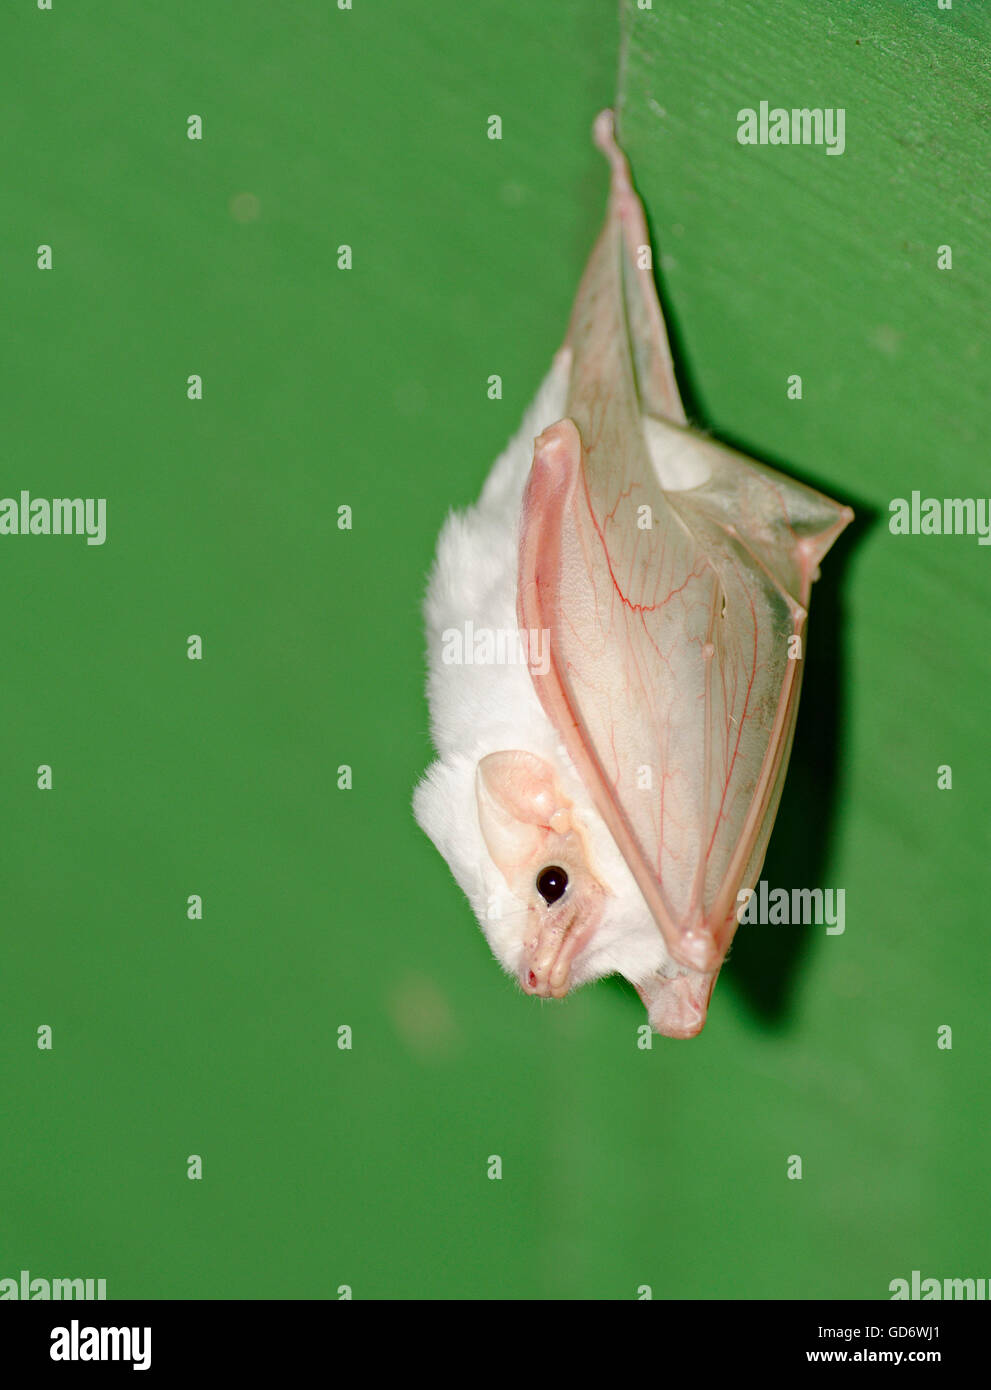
(551, 883)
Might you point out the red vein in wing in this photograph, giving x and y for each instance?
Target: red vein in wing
(739, 734)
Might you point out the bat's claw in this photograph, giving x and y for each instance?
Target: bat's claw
(604, 134)
(699, 951)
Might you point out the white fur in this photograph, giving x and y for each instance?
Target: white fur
(476, 710)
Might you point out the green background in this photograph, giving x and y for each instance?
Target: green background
(322, 907)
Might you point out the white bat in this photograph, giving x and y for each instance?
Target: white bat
(603, 801)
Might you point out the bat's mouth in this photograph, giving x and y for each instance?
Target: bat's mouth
(548, 957)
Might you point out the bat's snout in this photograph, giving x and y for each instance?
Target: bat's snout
(534, 984)
(548, 956)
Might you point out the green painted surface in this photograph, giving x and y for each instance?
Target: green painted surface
(322, 908)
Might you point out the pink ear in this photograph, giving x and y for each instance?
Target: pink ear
(517, 794)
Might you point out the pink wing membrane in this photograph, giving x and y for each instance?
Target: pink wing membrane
(671, 679)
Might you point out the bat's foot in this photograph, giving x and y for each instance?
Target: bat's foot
(677, 1006)
(604, 134)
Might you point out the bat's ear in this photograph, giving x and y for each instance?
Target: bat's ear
(519, 804)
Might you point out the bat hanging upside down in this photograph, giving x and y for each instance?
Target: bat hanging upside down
(603, 797)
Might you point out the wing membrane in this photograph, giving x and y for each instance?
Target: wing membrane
(673, 677)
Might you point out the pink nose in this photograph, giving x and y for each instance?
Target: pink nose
(532, 985)
(542, 982)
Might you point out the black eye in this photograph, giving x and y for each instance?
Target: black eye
(551, 883)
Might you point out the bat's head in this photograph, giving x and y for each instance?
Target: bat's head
(551, 892)
(536, 841)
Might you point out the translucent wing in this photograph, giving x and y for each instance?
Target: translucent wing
(673, 578)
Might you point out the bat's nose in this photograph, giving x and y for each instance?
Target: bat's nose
(548, 959)
(546, 983)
